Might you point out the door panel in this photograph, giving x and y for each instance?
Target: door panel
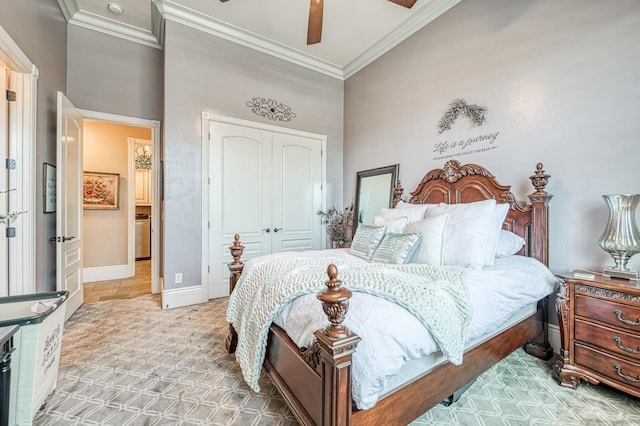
(69, 203)
(297, 169)
(239, 197)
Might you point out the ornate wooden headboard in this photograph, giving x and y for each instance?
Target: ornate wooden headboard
(456, 183)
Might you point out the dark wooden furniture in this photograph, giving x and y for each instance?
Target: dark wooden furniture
(315, 382)
(600, 330)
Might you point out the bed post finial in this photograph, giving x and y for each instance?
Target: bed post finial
(397, 194)
(336, 345)
(335, 303)
(236, 250)
(539, 180)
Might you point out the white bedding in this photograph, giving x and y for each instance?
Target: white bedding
(396, 337)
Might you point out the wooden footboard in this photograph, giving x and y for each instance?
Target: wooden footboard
(316, 382)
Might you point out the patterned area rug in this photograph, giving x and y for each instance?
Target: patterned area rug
(127, 362)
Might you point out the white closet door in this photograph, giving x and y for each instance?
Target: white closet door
(297, 193)
(239, 197)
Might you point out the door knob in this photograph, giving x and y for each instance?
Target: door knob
(67, 239)
(277, 229)
(267, 230)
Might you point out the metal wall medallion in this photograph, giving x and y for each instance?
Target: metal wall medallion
(271, 109)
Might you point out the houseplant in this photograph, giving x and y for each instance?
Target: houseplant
(339, 225)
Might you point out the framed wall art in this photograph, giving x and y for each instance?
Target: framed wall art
(49, 188)
(100, 191)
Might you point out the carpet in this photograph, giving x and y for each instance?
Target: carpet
(128, 362)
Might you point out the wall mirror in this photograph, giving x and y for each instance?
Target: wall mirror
(374, 190)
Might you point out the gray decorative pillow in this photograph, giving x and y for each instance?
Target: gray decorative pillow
(366, 240)
(396, 248)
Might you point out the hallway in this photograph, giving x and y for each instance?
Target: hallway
(126, 288)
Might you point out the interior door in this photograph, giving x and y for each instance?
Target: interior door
(4, 182)
(297, 193)
(239, 197)
(69, 203)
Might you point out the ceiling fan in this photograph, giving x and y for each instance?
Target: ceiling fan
(314, 29)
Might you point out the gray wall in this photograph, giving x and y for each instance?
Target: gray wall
(560, 81)
(113, 75)
(39, 29)
(203, 72)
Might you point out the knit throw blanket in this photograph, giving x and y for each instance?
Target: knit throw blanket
(437, 296)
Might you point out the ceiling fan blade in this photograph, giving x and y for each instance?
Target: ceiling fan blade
(406, 3)
(314, 31)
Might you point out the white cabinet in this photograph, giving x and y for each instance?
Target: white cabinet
(143, 187)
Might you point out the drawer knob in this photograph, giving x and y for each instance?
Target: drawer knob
(624, 376)
(619, 343)
(619, 316)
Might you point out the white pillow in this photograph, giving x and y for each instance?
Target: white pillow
(466, 233)
(429, 251)
(499, 213)
(413, 213)
(395, 226)
(508, 244)
(403, 205)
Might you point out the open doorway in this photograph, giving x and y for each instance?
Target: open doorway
(114, 266)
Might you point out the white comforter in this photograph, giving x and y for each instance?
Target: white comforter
(396, 337)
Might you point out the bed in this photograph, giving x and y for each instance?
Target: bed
(315, 380)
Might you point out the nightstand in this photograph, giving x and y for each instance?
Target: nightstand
(599, 323)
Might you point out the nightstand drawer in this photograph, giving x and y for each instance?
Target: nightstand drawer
(617, 341)
(616, 314)
(624, 373)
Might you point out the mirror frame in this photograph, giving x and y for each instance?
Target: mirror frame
(393, 170)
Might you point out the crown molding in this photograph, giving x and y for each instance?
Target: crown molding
(104, 25)
(422, 17)
(170, 10)
(199, 21)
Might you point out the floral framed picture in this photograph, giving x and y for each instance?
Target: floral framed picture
(100, 191)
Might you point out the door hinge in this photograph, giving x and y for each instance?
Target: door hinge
(209, 136)
(11, 96)
(208, 269)
(208, 225)
(10, 164)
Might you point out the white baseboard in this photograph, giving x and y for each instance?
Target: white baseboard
(184, 296)
(553, 333)
(104, 273)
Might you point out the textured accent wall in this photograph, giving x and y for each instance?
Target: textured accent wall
(560, 81)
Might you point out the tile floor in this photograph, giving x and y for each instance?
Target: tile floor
(138, 285)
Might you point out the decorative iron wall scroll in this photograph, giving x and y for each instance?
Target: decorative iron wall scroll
(271, 109)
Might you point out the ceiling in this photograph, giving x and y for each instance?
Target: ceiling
(355, 32)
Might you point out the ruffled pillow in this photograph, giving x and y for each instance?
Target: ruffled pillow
(413, 213)
(396, 248)
(508, 244)
(395, 226)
